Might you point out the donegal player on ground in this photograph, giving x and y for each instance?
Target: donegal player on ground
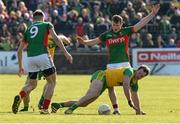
(116, 40)
(36, 40)
(51, 48)
(126, 77)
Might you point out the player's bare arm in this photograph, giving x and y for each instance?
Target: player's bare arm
(64, 39)
(19, 53)
(126, 88)
(61, 45)
(146, 19)
(136, 101)
(91, 42)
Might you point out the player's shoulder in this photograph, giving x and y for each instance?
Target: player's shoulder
(128, 71)
(47, 22)
(107, 34)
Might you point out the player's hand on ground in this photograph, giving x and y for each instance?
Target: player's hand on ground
(140, 113)
(21, 71)
(132, 105)
(69, 57)
(116, 113)
(80, 39)
(155, 8)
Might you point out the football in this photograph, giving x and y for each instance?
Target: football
(104, 109)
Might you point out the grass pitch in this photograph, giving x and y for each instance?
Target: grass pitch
(160, 99)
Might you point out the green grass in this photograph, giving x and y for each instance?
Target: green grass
(160, 99)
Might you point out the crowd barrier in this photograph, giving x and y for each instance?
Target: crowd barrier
(161, 61)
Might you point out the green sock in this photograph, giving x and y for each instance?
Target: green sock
(61, 105)
(40, 75)
(73, 107)
(25, 108)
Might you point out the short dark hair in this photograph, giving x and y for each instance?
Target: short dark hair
(145, 69)
(117, 19)
(38, 13)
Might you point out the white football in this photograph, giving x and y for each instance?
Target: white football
(104, 109)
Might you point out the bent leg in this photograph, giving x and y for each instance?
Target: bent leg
(26, 101)
(49, 90)
(50, 85)
(91, 95)
(29, 86)
(40, 103)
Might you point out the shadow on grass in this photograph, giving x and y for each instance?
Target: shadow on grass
(90, 114)
(10, 112)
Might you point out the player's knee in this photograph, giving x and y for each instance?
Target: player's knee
(94, 95)
(85, 105)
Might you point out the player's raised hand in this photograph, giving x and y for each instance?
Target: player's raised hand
(155, 8)
(80, 39)
(21, 71)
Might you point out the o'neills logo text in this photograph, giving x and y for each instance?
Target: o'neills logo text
(158, 56)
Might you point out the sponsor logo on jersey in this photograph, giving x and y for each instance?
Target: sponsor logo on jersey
(117, 40)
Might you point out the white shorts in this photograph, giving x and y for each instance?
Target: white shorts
(39, 63)
(118, 65)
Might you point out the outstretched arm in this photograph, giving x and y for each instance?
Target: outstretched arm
(126, 88)
(88, 42)
(146, 19)
(19, 54)
(136, 101)
(61, 45)
(64, 39)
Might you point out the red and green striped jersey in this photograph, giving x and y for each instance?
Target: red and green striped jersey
(117, 44)
(37, 38)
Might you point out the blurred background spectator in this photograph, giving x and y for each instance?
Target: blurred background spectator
(89, 18)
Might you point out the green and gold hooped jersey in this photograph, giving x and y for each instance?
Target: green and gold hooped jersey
(117, 44)
(37, 38)
(114, 77)
(51, 46)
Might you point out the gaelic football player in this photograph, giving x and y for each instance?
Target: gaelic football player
(108, 79)
(36, 40)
